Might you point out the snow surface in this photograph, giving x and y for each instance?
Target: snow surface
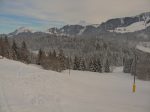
(95, 25)
(143, 48)
(28, 88)
(82, 30)
(137, 26)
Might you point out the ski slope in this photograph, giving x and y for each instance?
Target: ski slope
(137, 26)
(29, 88)
(144, 46)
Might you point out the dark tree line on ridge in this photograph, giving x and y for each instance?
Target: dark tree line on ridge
(52, 60)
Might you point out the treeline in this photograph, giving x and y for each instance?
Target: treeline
(94, 65)
(82, 46)
(88, 54)
(52, 60)
(14, 51)
(138, 65)
(59, 61)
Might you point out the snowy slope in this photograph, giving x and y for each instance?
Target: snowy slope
(137, 26)
(82, 30)
(144, 46)
(95, 25)
(28, 88)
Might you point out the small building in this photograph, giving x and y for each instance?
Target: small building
(143, 62)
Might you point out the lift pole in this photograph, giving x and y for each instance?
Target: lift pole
(134, 85)
(69, 64)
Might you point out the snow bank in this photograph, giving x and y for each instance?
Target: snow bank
(27, 88)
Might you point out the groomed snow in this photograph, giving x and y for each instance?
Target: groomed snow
(28, 88)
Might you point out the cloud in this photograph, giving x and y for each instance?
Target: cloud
(72, 11)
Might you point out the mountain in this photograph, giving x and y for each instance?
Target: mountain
(53, 31)
(128, 24)
(117, 25)
(71, 29)
(137, 26)
(83, 23)
(22, 30)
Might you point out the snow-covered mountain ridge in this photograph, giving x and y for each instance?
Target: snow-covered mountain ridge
(22, 30)
(118, 25)
(137, 26)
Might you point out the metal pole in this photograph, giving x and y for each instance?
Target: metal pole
(134, 86)
(135, 67)
(69, 64)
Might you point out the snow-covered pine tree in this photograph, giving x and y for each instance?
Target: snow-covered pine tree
(52, 62)
(15, 54)
(99, 65)
(62, 60)
(41, 56)
(95, 66)
(1, 47)
(49, 54)
(6, 46)
(82, 64)
(76, 63)
(107, 66)
(54, 53)
(127, 65)
(24, 54)
(92, 65)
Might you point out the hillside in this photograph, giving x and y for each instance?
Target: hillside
(28, 88)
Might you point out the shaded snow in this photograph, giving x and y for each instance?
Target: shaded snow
(27, 88)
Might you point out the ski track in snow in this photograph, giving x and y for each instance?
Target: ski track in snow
(28, 88)
(4, 106)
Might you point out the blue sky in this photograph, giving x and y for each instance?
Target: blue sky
(43, 14)
(10, 22)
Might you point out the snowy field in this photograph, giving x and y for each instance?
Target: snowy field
(28, 88)
(137, 26)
